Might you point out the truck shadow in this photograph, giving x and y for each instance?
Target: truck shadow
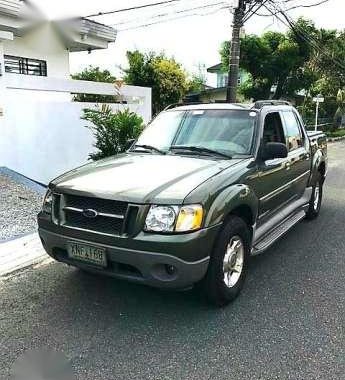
(114, 322)
(272, 277)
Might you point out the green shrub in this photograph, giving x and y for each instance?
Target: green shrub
(337, 133)
(112, 130)
(95, 74)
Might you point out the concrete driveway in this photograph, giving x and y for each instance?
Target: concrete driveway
(289, 322)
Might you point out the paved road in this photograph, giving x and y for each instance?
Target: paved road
(288, 323)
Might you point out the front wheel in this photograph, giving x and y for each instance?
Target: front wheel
(228, 265)
(315, 200)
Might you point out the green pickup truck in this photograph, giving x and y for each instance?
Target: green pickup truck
(203, 188)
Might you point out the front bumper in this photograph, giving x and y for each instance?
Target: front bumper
(143, 266)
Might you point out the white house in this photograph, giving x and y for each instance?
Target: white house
(41, 134)
(31, 45)
(218, 93)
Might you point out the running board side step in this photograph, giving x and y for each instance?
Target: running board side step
(278, 232)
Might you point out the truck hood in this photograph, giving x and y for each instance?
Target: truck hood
(141, 178)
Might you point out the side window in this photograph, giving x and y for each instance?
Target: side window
(273, 129)
(294, 135)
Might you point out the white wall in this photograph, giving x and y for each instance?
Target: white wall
(45, 140)
(41, 133)
(43, 43)
(41, 138)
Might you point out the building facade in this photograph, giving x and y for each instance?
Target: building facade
(41, 131)
(32, 45)
(218, 93)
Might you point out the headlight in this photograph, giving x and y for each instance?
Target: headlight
(174, 218)
(48, 202)
(161, 218)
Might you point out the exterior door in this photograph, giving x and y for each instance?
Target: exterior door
(272, 182)
(299, 160)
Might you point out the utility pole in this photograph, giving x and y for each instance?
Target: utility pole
(234, 63)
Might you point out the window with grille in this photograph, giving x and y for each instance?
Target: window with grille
(26, 66)
(223, 80)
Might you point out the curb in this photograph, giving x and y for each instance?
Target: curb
(31, 184)
(334, 139)
(15, 237)
(21, 253)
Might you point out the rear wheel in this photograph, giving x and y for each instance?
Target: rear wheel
(228, 265)
(316, 199)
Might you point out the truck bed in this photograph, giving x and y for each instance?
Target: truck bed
(318, 140)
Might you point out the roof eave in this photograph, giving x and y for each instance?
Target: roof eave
(81, 34)
(215, 69)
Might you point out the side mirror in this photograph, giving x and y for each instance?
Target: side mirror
(274, 150)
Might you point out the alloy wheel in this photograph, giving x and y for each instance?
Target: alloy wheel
(233, 261)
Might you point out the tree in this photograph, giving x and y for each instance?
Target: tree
(196, 83)
(273, 59)
(95, 74)
(164, 75)
(112, 130)
(329, 58)
(325, 66)
(340, 113)
(304, 61)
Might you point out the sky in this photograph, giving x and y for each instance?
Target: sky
(192, 41)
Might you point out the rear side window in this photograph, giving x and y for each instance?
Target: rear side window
(293, 131)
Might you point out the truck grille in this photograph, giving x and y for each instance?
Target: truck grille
(107, 216)
(101, 205)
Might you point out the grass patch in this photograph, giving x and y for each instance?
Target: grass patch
(339, 133)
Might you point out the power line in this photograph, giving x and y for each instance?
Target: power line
(162, 15)
(306, 5)
(312, 41)
(303, 6)
(274, 13)
(251, 11)
(173, 19)
(133, 8)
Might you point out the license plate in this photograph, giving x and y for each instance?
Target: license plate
(87, 253)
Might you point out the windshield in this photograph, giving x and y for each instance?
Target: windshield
(227, 131)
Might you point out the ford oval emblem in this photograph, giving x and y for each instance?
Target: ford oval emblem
(89, 213)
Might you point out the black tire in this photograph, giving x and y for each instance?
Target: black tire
(315, 204)
(214, 286)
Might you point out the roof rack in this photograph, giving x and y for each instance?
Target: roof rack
(181, 104)
(262, 103)
(173, 105)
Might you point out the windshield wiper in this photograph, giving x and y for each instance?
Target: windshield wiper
(149, 147)
(200, 149)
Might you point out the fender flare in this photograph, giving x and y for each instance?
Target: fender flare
(318, 160)
(229, 199)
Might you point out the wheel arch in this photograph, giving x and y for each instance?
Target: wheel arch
(244, 212)
(319, 166)
(239, 200)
